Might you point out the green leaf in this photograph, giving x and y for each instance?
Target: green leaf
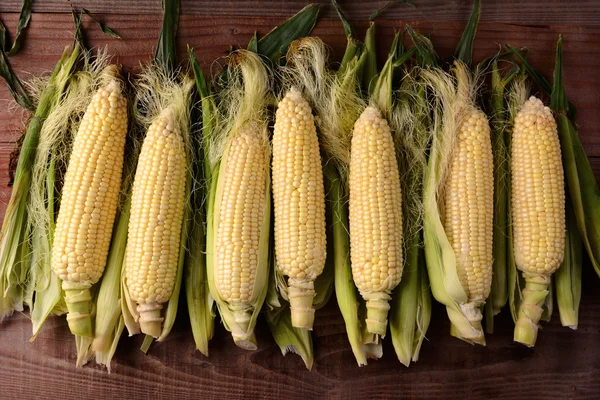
(253, 44)
(426, 55)
(209, 108)
(464, 50)
(3, 36)
(24, 19)
(15, 86)
(348, 30)
(559, 101)
(276, 42)
(166, 51)
(370, 64)
(78, 34)
(102, 26)
(567, 279)
(376, 13)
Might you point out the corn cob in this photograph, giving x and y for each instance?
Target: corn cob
(469, 206)
(299, 204)
(458, 197)
(375, 216)
(241, 262)
(89, 203)
(157, 208)
(538, 210)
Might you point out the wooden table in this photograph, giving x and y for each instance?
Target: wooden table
(564, 363)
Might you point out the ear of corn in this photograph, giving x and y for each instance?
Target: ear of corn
(538, 210)
(89, 203)
(158, 201)
(299, 204)
(238, 267)
(375, 216)
(14, 249)
(580, 178)
(157, 232)
(458, 211)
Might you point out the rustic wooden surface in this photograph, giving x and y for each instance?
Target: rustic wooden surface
(564, 363)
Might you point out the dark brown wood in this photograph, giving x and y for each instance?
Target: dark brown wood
(564, 364)
(532, 12)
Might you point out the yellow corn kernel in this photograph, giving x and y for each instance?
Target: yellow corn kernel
(157, 208)
(299, 204)
(241, 211)
(375, 216)
(538, 209)
(89, 202)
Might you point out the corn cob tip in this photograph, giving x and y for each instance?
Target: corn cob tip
(530, 310)
(78, 298)
(301, 295)
(245, 340)
(150, 319)
(295, 95)
(474, 333)
(378, 307)
(242, 335)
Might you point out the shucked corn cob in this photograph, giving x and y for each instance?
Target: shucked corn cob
(469, 206)
(157, 207)
(299, 204)
(375, 216)
(89, 202)
(538, 210)
(241, 262)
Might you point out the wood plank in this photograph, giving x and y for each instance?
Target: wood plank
(532, 12)
(50, 33)
(564, 364)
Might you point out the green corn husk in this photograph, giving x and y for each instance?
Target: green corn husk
(15, 247)
(581, 183)
(410, 311)
(109, 323)
(567, 279)
(500, 146)
(199, 301)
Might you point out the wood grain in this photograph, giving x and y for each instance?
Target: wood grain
(564, 363)
(532, 12)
